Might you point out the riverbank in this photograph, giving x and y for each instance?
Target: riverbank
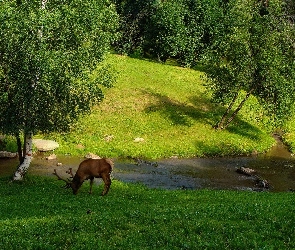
(276, 168)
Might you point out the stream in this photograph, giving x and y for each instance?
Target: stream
(277, 166)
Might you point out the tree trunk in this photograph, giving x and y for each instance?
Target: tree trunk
(223, 118)
(19, 149)
(226, 119)
(234, 114)
(24, 166)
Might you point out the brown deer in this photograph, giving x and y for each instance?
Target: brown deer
(88, 170)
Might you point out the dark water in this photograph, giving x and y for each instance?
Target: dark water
(277, 167)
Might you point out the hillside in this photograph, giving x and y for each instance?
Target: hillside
(168, 109)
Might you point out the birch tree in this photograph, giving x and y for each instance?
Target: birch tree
(48, 49)
(255, 56)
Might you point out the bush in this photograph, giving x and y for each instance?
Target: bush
(8, 143)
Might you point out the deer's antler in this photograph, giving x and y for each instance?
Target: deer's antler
(68, 182)
(70, 172)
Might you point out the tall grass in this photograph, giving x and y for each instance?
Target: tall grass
(38, 214)
(170, 108)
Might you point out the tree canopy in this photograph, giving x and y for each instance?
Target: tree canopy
(255, 56)
(47, 52)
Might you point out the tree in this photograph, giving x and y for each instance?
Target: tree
(164, 35)
(134, 16)
(290, 10)
(48, 50)
(179, 29)
(255, 56)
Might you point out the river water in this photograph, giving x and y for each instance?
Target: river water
(276, 166)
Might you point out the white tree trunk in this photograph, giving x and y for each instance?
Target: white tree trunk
(43, 4)
(23, 168)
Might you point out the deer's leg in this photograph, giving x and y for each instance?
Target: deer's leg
(91, 184)
(107, 183)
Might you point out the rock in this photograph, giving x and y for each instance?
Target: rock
(254, 153)
(59, 164)
(108, 138)
(263, 184)
(246, 171)
(6, 154)
(80, 146)
(45, 145)
(92, 156)
(138, 139)
(51, 157)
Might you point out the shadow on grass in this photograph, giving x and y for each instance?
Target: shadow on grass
(180, 113)
(199, 109)
(245, 129)
(169, 62)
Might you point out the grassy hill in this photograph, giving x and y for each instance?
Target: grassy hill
(169, 108)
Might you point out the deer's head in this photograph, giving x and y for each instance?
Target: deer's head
(71, 182)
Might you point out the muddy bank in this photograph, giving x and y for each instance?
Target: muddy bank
(277, 167)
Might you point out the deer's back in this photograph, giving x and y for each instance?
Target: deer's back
(95, 167)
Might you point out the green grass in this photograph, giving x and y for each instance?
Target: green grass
(38, 214)
(167, 106)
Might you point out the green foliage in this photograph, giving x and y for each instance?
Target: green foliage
(256, 55)
(289, 134)
(168, 29)
(165, 29)
(167, 106)
(290, 10)
(183, 29)
(8, 143)
(134, 16)
(46, 57)
(175, 31)
(134, 217)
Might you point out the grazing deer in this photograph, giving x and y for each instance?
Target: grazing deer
(88, 170)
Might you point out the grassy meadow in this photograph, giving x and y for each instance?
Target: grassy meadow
(170, 108)
(38, 214)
